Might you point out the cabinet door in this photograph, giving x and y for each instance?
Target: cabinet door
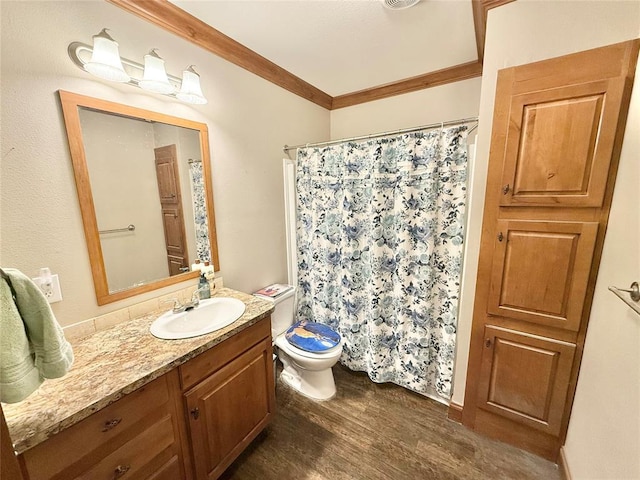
(559, 145)
(228, 409)
(541, 270)
(556, 138)
(525, 378)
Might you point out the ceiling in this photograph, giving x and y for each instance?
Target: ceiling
(343, 46)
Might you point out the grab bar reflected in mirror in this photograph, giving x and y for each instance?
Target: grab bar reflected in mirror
(129, 228)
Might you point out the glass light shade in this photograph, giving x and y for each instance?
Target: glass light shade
(105, 59)
(190, 91)
(155, 76)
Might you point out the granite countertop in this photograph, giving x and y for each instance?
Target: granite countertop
(110, 364)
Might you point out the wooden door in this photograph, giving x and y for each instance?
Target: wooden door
(228, 409)
(557, 133)
(171, 206)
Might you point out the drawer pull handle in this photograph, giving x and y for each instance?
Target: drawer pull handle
(109, 424)
(121, 470)
(195, 413)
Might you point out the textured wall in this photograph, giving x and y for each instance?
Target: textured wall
(248, 118)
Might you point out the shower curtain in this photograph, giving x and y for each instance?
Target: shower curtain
(203, 248)
(379, 249)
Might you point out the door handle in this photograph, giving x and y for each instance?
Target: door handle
(506, 189)
(500, 237)
(487, 343)
(195, 413)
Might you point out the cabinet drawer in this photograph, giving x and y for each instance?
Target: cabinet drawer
(138, 458)
(208, 362)
(101, 431)
(169, 471)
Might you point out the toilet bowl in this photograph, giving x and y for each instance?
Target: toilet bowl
(308, 372)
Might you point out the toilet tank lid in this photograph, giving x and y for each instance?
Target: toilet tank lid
(312, 337)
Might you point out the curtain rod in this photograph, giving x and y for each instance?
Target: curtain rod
(286, 148)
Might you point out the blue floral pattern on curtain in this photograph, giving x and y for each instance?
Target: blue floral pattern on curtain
(203, 247)
(380, 236)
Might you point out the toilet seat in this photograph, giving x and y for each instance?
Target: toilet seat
(283, 343)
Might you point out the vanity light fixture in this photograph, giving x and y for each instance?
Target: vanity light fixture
(155, 76)
(103, 60)
(190, 90)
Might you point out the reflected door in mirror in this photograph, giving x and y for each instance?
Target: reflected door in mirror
(171, 207)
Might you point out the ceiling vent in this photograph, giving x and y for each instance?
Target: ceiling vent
(399, 4)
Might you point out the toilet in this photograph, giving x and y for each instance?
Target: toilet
(307, 365)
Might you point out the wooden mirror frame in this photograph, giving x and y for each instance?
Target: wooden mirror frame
(71, 103)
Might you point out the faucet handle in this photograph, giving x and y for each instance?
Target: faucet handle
(195, 298)
(176, 303)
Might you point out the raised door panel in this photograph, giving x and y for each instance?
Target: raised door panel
(173, 230)
(167, 174)
(525, 378)
(540, 271)
(177, 265)
(229, 408)
(559, 145)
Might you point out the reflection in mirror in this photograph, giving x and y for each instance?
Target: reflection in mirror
(145, 194)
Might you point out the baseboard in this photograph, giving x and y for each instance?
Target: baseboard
(563, 466)
(455, 412)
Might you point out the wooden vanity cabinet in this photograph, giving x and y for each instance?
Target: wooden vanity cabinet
(190, 423)
(229, 396)
(137, 437)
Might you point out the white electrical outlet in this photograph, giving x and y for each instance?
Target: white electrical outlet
(50, 286)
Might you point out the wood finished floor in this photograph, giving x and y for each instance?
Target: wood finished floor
(370, 432)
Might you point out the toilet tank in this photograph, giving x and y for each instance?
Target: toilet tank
(282, 316)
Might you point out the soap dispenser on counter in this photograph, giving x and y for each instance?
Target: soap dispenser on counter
(203, 287)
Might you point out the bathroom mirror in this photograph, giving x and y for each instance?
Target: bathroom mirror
(144, 186)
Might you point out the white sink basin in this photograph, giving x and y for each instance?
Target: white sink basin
(212, 314)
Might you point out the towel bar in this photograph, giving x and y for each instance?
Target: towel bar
(129, 228)
(633, 297)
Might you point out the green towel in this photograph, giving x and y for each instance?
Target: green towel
(32, 344)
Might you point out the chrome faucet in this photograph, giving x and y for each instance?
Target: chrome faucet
(179, 307)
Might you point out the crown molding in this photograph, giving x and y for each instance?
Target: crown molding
(456, 73)
(175, 20)
(480, 11)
